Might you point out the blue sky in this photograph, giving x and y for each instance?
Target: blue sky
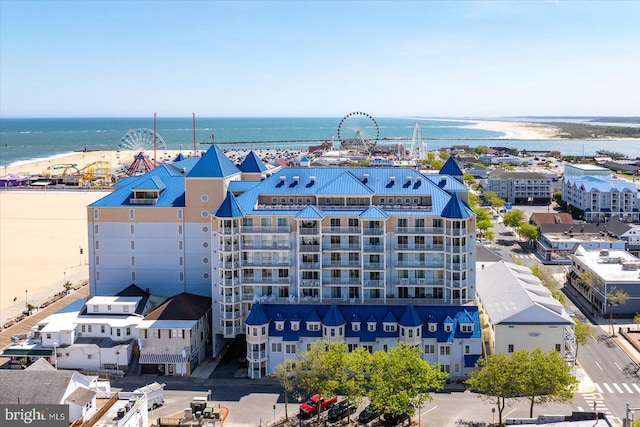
(304, 58)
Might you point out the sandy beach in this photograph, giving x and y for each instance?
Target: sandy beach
(42, 231)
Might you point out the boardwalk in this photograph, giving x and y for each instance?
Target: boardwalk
(24, 327)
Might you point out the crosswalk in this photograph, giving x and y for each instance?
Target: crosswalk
(595, 403)
(523, 256)
(622, 388)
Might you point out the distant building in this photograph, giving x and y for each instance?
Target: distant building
(557, 241)
(610, 269)
(540, 218)
(518, 312)
(520, 187)
(447, 335)
(601, 198)
(629, 233)
(585, 170)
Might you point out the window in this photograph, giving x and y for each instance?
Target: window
(432, 327)
(290, 349)
(276, 347)
(179, 214)
(355, 326)
(96, 214)
(89, 328)
(371, 326)
(96, 309)
(128, 331)
(295, 326)
(445, 350)
(102, 329)
(264, 330)
(467, 349)
(108, 308)
(351, 347)
(313, 326)
(389, 327)
(133, 244)
(447, 327)
(279, 325)
(83, 328)
(510, 350)
(254, 332)
(429, 349)
(558, 347)
(467, 328)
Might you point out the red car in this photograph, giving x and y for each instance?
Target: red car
(309, 407)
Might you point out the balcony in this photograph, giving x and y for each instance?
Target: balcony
(266, 263)
(457, 266)
(373, 248)
(261, 246)
(456, 249)
(332, 281)
(375, 231)
(419, 264)
(230, 264)
(230, 247)
(278, 281)
(341, 264)
(309, 265)
(341, 230)
(231, 282)
(309, 231)
(229, 230)
(419, 230)
(419, 282)
(374, 266)
(456, 231)
(266, 229)
(310, 283)
(341, 247)
(367, 283)
(309, 248)
(230, 299)
(230, 315)
(256, 356)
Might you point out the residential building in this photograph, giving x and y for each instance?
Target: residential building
(244, 234)
(518, 312)
(176, 337)
(629, 233)
(539, 218)
(610, 270)
(557, 241)
(602, 198)
(42, 384)
(520, 186)
(448, 335)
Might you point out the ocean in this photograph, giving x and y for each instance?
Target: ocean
(27, 139)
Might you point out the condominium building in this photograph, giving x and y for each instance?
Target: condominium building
(602, 198)
(520, 187)
(245, 234)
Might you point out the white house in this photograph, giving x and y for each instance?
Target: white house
(518, 312)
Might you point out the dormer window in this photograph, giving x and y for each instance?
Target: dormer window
(466, 327)
(313, 326)
(279, 325)
(355, 326)
(390, 327)
(433, 327)
(447, 327)
(371, 326)
(295, 325)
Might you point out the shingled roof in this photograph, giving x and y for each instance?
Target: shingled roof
(183, 306)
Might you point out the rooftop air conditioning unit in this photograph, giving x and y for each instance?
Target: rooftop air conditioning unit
(604, 253)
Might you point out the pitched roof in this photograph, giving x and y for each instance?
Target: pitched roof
(310, 212)
(213, 164)
(333, 317)
(183, 306)
(456, 209)
(152, 183)
(80, 396)
(252, 163)
(51, 386)
(257, 316)
(450, 167)
(230, 208)
(540, 218)
(410, 317)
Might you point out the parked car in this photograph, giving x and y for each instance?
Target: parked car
(368, 414)
(340, 410)
(394, 418)
(310, 406)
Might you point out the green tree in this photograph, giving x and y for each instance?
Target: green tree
(320, 369)
(401, 380)
(444, 155)
(481, 149)
(615, 297)
(67, 286)
(583, 331)
(542, 377)
(636, 319)
(357, 371)
(528, 231)
(514, 218)
(493, 381)
(284, 374)
(489, 235)
(469, 178)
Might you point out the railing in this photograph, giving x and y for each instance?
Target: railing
(341, 247)
(341, 264)
(341, 230)
(267, 280)
(267, 263)
(229, 230)
(418, 282)
(367, 283)
(374, 266)
(341, 282)
(230, 299)
(417, 263)
(310, 283)
(456, 231)
(458, 248)
(373, 248)
(310, 265)
(309, 248)
(266, 229)
(375, 231)
(256, 355)
(231, 264)
(310, 231)
(419, 230)
(230, 314)
(264, 246)
(232, 247)
(421, 247)
(231, 282)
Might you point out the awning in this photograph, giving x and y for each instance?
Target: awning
(28, 352)
(162, 358)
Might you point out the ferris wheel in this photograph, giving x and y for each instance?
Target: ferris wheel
(138, 149)
(358, 131)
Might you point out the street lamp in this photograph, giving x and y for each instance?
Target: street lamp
(26, 299)
(55, 355)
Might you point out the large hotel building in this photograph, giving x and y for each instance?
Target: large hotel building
(367, 256)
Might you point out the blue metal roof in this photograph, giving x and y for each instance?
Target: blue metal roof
(410, 317)
(257, 317)
(336, 181)
(179, 158)
(456, 209)
(373, 212)
(213, 164)
(310, 212)
(470, 360)
(446, 182)
(229, 207)
(152, 183)
(252, 163)
(451, 168)
(333, 317)
(241, 186)
(314, 312)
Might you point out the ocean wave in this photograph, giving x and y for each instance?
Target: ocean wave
(39, 159)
